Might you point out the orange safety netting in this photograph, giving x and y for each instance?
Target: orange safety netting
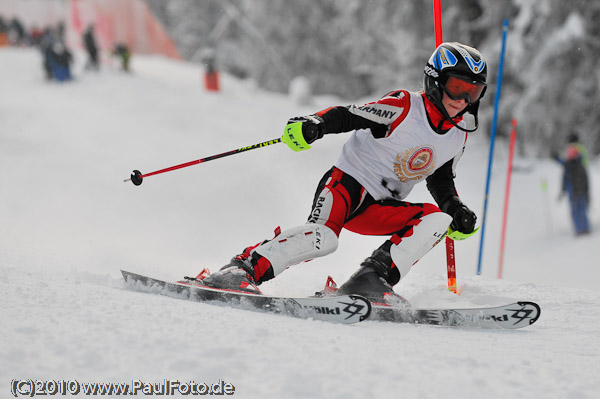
(115, 21)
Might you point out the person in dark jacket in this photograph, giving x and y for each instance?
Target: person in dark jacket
(89, 40)
(575, 184)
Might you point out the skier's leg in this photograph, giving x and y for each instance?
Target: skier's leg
(293, 246)
(266, 260)
(336, 197)
(421, 227)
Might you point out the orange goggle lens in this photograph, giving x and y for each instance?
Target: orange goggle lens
(458, 88)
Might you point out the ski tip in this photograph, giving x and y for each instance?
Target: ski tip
(536, 310)
(129, 276)
(126, 275)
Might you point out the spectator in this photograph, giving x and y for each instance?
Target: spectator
(575, 183)
(16, 33)
(59, 62)
(122, 51)
(89, 40)
(36, 34)
(46, 42)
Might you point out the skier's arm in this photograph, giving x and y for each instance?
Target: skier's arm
(377, 116)
(441, 186)
(341, 119)
(302, 131)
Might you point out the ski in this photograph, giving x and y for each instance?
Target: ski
(515, 315)
(345, 309)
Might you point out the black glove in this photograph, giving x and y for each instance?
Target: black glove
(312, 127)
(463, 219)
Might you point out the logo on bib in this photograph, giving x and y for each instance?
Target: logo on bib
(414, 164)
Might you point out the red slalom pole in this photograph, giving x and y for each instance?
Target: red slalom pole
(511, 151)
(450, 256)
(437, 21)
(137, 176)
(451, 264)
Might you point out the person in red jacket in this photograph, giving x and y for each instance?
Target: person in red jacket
(401, 140)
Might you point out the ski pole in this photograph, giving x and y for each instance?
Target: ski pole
(137, 176)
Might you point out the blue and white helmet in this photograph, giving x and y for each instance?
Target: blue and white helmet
(460, 61)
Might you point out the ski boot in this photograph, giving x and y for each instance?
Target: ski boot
(238, 275)
(374, 280)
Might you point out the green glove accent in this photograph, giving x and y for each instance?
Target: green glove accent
(294, 138)
(458, 236)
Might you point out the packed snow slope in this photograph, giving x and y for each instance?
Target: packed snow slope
(68, 224)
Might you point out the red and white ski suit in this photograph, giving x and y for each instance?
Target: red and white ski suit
(397, 142)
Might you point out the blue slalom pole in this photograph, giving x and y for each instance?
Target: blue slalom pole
(492, 142)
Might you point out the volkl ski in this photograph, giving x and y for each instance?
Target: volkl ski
(515, 315)
(396, 309)
(345, 309)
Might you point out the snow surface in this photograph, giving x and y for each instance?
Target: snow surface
(68, 224)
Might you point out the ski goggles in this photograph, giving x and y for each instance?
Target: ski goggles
(458, 87)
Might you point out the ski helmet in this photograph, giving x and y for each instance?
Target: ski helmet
(460, 71)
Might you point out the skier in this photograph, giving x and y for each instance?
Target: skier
(89, 40)
(397, 142)
(575, 183)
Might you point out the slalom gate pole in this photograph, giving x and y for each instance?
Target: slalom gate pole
(437, 22)
(511, 152)
(450, 256)
(492, 142)
(137, 176)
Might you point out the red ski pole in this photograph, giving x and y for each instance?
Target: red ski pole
(137, 176)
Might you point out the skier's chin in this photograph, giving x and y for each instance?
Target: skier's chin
(454, 111)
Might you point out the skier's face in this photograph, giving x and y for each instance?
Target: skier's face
(453, 107)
